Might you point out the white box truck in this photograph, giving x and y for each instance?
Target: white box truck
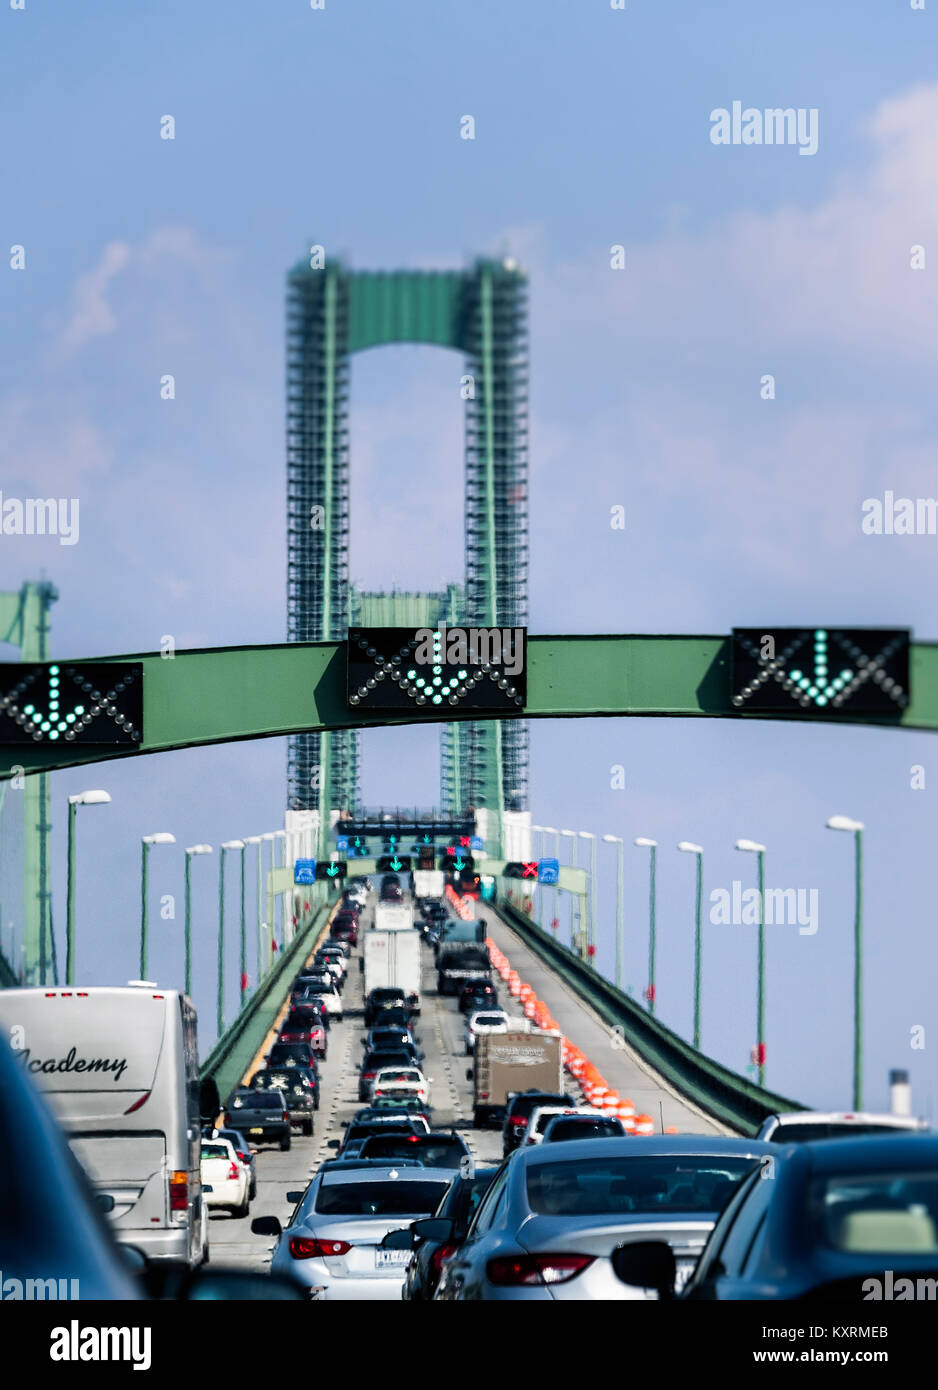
(429, 883)
(392, 959)
(394, 917)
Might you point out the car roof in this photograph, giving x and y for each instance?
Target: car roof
(678, 1145)
(382, 1172)
(870, 1153)
(860, 1117)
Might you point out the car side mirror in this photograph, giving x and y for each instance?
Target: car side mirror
(104, 1201)
(209, 1099)
(294, 1197)
(266, 1226)
(252, 1148)
(468, 1073)
(436, 1228)
(334, 1144)
(646, 1264)
(399, 1240)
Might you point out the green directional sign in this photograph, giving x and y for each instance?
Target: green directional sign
(332, 870)
(822, 670)
(431, 671)
(96, 702)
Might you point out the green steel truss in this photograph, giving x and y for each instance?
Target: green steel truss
(220, 696)
(333, 312)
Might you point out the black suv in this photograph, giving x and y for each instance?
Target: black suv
(299, 1087)
(259, 1115)
(380, 1000)
(518, 1111)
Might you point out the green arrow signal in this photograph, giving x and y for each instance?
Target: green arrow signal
(56, 722)
(458, 864)
(426, 839)
(395, 863)
(332, 870)
(821, 689)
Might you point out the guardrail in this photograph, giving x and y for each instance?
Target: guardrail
(722, 1093)
(239, 1043)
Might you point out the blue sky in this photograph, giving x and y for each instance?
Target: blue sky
(341, 126)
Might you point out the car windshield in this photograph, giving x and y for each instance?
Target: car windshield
(663, 1183)
(876, 1213)
(802, 1133)
(256, 1100)
(379, 1198)
(585, 1129)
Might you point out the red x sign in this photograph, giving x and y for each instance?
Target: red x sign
(529, 870)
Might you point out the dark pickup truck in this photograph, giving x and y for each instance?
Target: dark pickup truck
(458, 964)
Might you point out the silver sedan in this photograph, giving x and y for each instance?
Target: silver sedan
(554, 1213)
(333, 1241)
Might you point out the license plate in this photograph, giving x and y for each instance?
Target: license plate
(391, 1257)
(256, 1131)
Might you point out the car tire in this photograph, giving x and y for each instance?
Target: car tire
(243, 1210)
(252, 1190)
(285, 1144)
(307, 1127)
(316, 1103)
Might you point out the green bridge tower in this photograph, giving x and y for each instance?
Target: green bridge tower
(481, 312)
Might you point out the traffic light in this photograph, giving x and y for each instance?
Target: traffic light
(332, 870)
(427, 859)
(432, 670)
(824, 671)
(520, 869)
(454, 861)
(394, 864)
(88, 702)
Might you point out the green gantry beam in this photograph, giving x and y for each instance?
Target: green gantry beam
(228, 693)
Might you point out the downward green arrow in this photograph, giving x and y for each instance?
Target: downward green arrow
(332, 870)
(458, 864)
(395, 863)
(56, 722)
(821, 689)
(426, 839)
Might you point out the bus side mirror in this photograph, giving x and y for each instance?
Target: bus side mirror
(209, 1099)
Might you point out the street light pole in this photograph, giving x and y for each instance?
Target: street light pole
(550, 830)
(652, 845)
(162, 837)
(620, 888)
(250, 840)
(95, 798)
(856, 827)
(193, 849)
(227, 844)
(574, 910)
(690, 848)
(591, 902)
(759, 851)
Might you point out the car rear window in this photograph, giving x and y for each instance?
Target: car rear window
(389, 1198)
(432, 1151)
(663, 1183)
(800, 1134)
(257, 1100)
(488, 1020)
(214, 1151)
(524, 1105)
(585, 1129)
(374, 1060)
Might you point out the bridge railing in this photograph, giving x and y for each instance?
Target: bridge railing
(722, 1093)
(234, 1051)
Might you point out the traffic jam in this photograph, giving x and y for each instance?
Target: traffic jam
(469, 1150)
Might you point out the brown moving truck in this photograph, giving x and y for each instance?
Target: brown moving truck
(510, 1062)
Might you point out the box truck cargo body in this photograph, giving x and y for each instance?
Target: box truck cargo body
(429, 883)
(394, 916)
(506, 1063)
(392, 959)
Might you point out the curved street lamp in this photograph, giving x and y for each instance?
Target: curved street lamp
(92, 798)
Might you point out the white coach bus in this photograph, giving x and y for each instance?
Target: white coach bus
(120, 1070)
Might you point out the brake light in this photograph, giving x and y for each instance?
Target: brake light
(369, 1075)
(518, 1120)
(179, 1191)
(243, 1157)
(442, 1253)
(227, 1118)
(527, 1270)
(137, 1104)
(233, 1170)
(303, 1249)
(286, 1115)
